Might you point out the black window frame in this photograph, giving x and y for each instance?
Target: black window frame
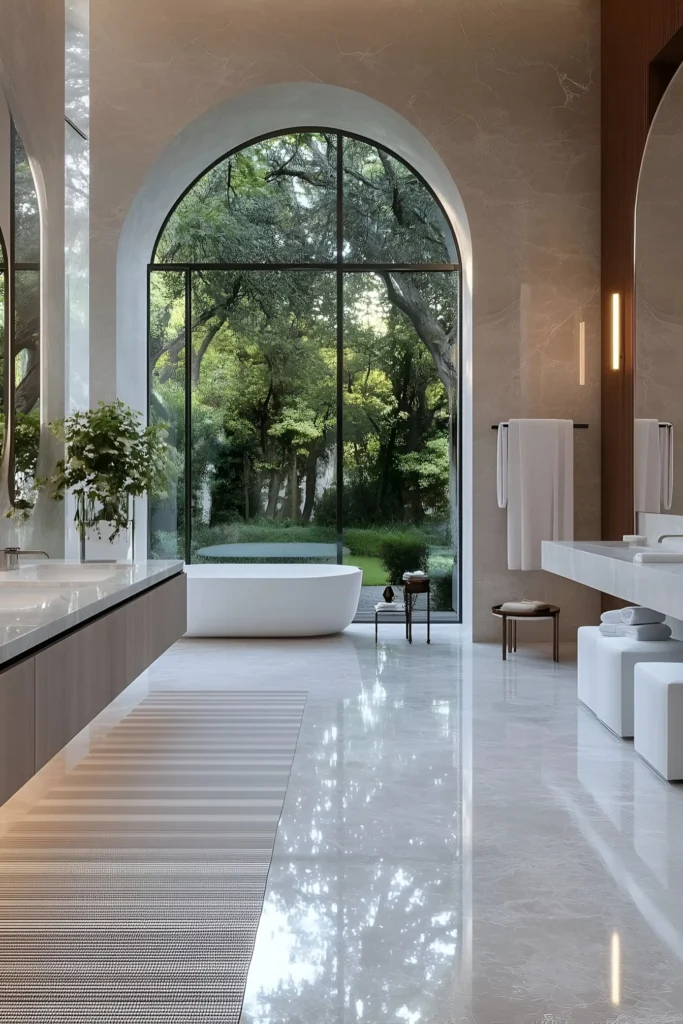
(340, 267)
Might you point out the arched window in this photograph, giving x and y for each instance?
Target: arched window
(304, 339)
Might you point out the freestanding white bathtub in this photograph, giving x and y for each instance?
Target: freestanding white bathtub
(271, 600)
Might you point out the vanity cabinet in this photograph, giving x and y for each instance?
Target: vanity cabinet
(17, 744)
(47, 698)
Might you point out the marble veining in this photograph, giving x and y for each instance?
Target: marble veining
(460, 841)
(40, 602)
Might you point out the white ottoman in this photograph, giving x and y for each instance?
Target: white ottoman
(606, 667)
(586, 690)
(659, 718)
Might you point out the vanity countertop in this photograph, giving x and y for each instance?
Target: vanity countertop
(41, 601)
(608, 566)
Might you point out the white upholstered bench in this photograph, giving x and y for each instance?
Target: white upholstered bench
(606, 674)
(659, 718)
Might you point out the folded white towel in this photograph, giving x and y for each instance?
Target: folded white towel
(639, 616)
(393, 606)
(651, 631)
(613, 617)
(652, 557)
(524, 607)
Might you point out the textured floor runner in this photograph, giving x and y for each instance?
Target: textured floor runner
(132, 891)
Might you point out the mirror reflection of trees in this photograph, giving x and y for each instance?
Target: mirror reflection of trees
(293, 374)
(20, 420)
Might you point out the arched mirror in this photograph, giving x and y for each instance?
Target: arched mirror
(19, 320)
(658, 447)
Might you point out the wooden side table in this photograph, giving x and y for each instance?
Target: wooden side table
(412, 588)
(510, 620)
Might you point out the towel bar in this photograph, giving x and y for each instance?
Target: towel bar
(577, 426)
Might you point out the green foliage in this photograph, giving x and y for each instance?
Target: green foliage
(263, 354)
(26, 447)
(442, 592)
(109, 459)
(401, 555)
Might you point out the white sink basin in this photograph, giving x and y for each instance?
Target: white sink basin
(29, 598)
(61, 572)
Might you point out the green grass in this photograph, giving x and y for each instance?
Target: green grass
(374, 573)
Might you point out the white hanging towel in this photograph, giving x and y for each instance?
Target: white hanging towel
(647, 476)
(502, 465)
(540, 488)
(666, 465)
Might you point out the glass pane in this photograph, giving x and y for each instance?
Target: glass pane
(167, 405)
(27, 215)
(390, 216)
(3, 299)
(27, 385)
(274, 202)
(264, 416)
(400, 395)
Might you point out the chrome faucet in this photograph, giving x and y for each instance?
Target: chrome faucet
(668, 536)
(9, 557)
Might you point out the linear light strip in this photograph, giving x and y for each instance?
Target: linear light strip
(616, 331)
(582, 353)
(615, 979)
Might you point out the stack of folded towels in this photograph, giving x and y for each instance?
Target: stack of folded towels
(525, 607)
(635, 624)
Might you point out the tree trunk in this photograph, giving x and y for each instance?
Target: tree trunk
(273, 493)
(245, 484)
(294, 489)
(311, 481)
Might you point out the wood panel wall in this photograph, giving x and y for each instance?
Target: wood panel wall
(641, 48)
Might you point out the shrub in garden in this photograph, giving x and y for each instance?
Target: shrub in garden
(401, 554)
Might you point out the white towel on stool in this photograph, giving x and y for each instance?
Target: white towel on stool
(540, 488)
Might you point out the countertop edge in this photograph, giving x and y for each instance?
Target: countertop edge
(24, 646)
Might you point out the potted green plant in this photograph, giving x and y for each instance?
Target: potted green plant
(110, 459)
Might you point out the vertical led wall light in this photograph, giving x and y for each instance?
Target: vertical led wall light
(616, 331)
(615, 970)
(582, 353)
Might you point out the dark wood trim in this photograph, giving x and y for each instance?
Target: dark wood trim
(642, 45)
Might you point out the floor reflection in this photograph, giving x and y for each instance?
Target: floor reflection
(366, 912)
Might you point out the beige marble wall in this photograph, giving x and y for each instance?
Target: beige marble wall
(32, 77)
(506, 92)
(659, 277)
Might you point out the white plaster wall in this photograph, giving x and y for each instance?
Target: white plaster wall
(506, 94)
(32, 78)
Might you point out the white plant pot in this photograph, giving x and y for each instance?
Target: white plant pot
(99, 547)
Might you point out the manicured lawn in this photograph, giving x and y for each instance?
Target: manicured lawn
(374, 573)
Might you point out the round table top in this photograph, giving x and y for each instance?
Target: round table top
(269, 551)
(543, 613)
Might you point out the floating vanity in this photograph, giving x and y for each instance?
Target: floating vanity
(72, 637)
(608, 566)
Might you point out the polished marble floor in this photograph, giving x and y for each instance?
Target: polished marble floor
(460, 843)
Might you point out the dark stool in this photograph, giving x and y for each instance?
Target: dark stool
(510, 620)
(412, 589)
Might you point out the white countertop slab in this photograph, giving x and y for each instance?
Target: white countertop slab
(41, 601)
(608, 566)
